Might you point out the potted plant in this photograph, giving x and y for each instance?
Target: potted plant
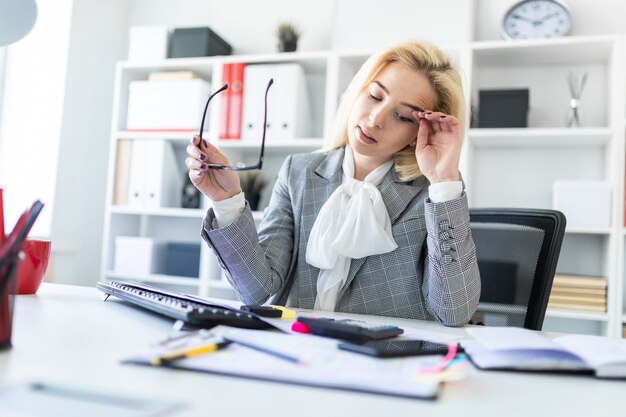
(288, 35)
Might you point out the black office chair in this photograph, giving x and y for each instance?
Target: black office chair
(517, 251)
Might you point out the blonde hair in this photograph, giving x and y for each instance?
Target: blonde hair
(419, 56)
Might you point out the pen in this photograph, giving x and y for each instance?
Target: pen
(1, 218)
(264, 349)
(188, 353)
(286, 313)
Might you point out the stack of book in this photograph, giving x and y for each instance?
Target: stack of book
(578, 292)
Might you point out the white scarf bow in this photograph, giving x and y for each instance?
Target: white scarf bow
(353, 223)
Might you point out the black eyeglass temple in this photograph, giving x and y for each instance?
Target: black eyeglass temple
(264, 124)
(206, 106)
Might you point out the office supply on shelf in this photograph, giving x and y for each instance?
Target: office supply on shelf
(225, 102)
(197, 41)
(188, 352)
(578, 292)
(526, 350)
(155, 178)
(147, 43)
(289, 113)
(235, 101)
(167, 105)
(314, 361)
(349, 329)
(56, 400)
(192, 310)
(122, 171)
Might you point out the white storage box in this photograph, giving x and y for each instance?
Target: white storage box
(584, 203)
(148, 43)
(138, 256)
(168, 105)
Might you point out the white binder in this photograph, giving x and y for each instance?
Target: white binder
(288, 115)
(155, 178)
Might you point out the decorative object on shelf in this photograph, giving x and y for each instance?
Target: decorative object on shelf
(288, 34)
(576, 86)
(503, 108)
(537, 19)
(252, 184)
(197, 41)
(191, 195)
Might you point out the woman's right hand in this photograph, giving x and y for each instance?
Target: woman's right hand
(217, 184)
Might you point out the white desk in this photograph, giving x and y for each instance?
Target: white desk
(69, 335)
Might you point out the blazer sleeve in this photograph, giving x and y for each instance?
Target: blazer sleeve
(451, 277)
(256, 265)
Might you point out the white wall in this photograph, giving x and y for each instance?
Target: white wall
(595, 17)
(246, 24)
(32, 109)
(98, 38)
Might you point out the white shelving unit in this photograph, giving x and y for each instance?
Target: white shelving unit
(517, 167)
(501, 167)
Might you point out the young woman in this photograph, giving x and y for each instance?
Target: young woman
(377, 223)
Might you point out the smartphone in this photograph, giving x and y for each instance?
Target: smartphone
(396, 347)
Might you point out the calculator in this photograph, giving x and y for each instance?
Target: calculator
(350, 329)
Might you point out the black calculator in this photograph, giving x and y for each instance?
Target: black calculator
(350, 329)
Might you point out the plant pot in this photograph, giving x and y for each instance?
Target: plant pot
(287, 46)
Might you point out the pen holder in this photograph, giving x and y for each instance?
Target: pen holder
(8, 280)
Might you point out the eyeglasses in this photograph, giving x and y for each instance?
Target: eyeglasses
(240, 166)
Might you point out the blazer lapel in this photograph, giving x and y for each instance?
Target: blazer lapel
(397, 195)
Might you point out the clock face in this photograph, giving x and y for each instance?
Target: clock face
(537, 19)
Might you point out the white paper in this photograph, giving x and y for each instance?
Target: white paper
(321, 364)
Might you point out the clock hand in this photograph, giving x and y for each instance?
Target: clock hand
(544, 18)
(520, 17)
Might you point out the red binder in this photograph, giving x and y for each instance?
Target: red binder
(225, 101)
(236, 100)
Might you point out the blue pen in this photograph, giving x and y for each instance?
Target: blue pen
(264, 349)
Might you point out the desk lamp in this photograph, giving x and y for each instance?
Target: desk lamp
(17, 18)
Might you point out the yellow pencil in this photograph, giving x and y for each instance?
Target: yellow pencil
(188, 353)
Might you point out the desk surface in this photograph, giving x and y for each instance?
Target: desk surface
(68, 335)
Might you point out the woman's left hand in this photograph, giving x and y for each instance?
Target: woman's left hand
(438, 146)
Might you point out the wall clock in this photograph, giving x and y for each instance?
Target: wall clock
(537, 19)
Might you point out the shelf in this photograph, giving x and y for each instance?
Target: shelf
(568, 314)
(588, 230)
(157, 279)
(294, 144)
(540, 137)
(559, 51)
(164, 212)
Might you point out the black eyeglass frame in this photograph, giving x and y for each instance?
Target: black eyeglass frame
(259, 165)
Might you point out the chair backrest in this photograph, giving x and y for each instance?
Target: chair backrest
(517, 252)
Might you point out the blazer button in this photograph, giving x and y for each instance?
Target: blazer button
(447, 258)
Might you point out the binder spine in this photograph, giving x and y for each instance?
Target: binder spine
(225, 102)
(236, 101)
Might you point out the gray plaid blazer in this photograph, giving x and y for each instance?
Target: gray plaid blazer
(432, 274)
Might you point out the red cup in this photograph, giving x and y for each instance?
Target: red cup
(31, 269)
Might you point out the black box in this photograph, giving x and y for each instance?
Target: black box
(198, 41)
(503, 108)
(182, 259)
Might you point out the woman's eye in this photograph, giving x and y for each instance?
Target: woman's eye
(372, 97)
(404, 118)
